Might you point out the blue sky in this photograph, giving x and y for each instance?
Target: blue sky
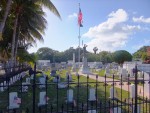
(107, 24)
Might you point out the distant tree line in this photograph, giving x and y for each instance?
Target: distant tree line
(46, 53)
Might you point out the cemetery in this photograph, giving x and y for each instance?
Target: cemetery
(68, 91)
(109, 72)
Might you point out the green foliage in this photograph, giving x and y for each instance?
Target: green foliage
(105, 57)
(140, 54)
(144, 56)
(46, 53)
(121, 55)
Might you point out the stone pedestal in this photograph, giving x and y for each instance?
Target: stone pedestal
(84, 68)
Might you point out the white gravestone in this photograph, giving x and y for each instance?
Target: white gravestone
(42, 82)
(70, 96)
(115, 110)
(1, 87)
(13, 104)
(5, 85)
(42, 99)
(10, 81)
(107, 71)
(69, 77)
(138, 108)
(56, 79)
(112, 93)
(132, 91)
(32, 76)
(92, 96)
(123, 73)
(28, 80)
(92, 111)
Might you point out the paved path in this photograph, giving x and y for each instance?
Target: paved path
(124, 87)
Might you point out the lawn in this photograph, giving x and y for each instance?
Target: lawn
(57, 98)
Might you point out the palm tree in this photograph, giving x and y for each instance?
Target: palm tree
(33, 29)
(2, 23)
(95, 49)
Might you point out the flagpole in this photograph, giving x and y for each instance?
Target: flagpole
(79, 43)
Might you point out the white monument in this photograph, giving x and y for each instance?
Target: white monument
(132, 91)
(123, 73)
(85, 68)
(42, 99)
(113, 94)
(92, 96)
(107, 71)
(74, 63)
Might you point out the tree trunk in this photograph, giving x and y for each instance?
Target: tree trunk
(16, 45)
(13, 39)
(2, 23)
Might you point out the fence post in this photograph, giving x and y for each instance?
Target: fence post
(136, 89)
(34, 86)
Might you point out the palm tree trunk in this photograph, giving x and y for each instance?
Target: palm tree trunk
(16, 44)
(2, 23)
(13, 39)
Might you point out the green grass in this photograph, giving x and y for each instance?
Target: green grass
(81, 94)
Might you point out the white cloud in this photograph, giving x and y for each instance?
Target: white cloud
(141, 19)
(111, 34)
(74, 15)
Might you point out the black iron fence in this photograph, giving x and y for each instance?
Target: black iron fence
(38, 93)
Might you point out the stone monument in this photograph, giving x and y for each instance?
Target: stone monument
(74, 63)
(84, 68)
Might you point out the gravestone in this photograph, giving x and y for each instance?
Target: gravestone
(5, 85)
(56, 79)
(28, 80)
(138, 108)
(12, 103)
(70, 96)
(62, 85)
(92, 96)
(113, 94)
(115, 110)
(1, 87)
(68, 77)
(92, 111)
(123, 73)
(10, 81)
(42, 99)
(140, 74)
(32, 77)
(41, 82)
(107, 71)
(132, 91)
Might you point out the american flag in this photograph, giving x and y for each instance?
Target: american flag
(46, 98)
(80, 18)
(17, 100)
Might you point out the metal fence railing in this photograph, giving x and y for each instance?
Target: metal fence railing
(21, 93)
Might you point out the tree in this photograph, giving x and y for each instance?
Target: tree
(3, 21)
(141, 53)
(95, 49)
(28, 22)
(121, 55)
